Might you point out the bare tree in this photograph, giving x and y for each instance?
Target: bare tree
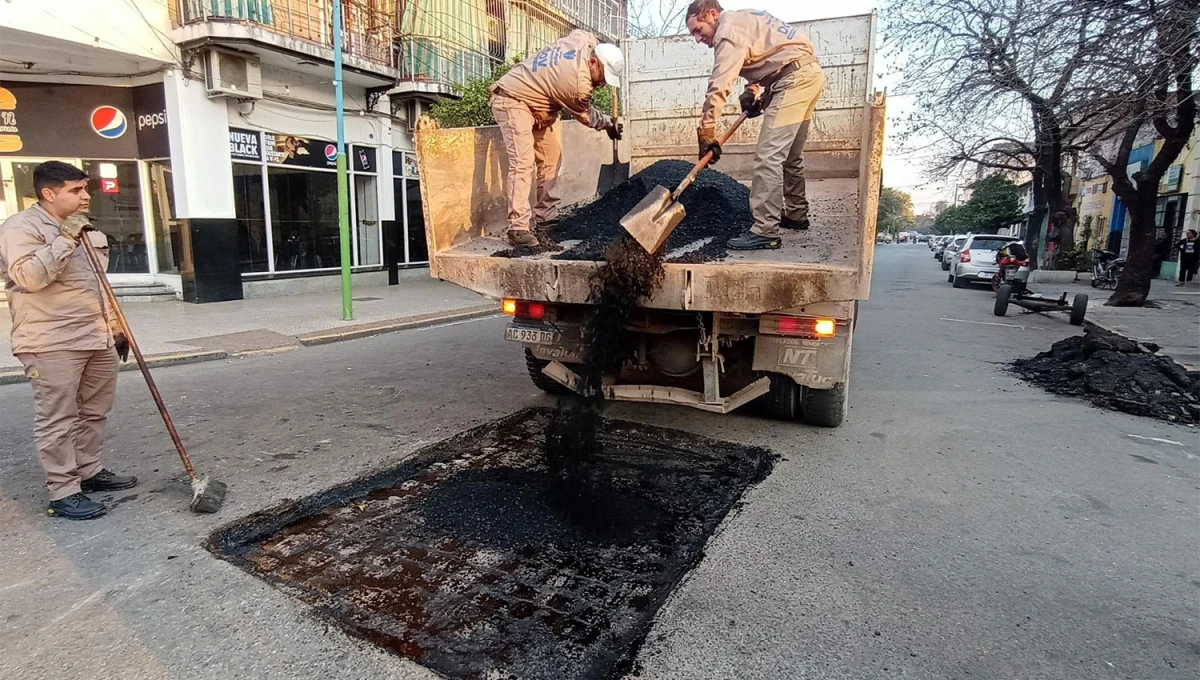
(653, 18)
(1146, 86)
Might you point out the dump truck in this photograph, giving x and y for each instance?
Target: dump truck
(772, 327)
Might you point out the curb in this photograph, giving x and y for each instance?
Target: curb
(11, 376)
(408, 323)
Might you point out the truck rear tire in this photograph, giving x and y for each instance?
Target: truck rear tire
(824, 408)
(543, 382)
(783, 401)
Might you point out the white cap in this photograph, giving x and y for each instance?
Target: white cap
(609, 55)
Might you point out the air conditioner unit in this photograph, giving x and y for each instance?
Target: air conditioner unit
(232, 74)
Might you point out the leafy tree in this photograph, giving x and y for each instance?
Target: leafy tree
(470, 108)
(994, 204)
(895, 212)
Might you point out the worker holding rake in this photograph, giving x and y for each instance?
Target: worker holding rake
(785, 81)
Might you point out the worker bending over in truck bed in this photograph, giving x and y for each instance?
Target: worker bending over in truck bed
(526, 103)
(784, 82)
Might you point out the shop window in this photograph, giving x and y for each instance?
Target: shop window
(251, 217)
(304, 218)
(167, 237)
(418, 249)
(117, 212)
(366, 209)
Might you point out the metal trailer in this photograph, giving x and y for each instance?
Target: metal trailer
(774, 327)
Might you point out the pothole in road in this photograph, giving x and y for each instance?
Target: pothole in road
(474, 559)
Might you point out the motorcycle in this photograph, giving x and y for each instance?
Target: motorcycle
(1014, 269)
(1106, 269)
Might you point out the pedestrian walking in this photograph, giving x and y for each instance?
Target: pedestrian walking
(65, 336)
(527, 101)
(1189, 258)
(785, 81)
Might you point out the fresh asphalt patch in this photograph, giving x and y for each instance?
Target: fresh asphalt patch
(476, 559)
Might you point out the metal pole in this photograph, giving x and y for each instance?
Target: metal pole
(343, 189)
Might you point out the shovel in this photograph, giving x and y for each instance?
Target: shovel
(654, 218)
(618, 172)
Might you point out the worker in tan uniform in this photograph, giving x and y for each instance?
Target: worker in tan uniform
(784, 81)
(65, 337)
(527, 101)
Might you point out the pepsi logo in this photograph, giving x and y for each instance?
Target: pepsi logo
(109, 122)
(331, 152)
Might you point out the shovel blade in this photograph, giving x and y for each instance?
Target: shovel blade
(653, 218)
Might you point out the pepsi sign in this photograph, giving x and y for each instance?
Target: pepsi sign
(109, 122)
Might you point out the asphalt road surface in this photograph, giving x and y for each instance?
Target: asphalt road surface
(959, 525)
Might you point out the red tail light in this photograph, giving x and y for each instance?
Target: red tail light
(806, 327)
(964, 256)
(526, 310)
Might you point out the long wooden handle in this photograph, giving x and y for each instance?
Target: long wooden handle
(691, 176)
(94, 259)
(614, 116)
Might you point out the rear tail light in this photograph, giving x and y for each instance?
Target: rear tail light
(964, 256)
(524, 309)
(806, 327)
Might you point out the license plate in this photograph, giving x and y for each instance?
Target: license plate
(530, 335)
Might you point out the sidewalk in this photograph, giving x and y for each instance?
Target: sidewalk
(1173, 324)
(181, 332)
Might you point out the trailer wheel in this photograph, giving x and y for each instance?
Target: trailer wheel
(543, 382)
(1002, 296)
(825, 408)
(1078, 309)
(782, 402)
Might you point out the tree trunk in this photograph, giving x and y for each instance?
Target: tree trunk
(1033, 237)
(1134, 285)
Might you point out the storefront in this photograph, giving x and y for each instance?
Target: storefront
(116, 135)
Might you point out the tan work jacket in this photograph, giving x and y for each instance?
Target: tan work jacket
(53, 296)
(753, 45)
(557, 79)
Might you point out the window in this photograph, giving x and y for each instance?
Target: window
(366, 220)
(304, 218)
(410, 218)
(168, 243)
(117, 212)
(251, 216)
(418, 249)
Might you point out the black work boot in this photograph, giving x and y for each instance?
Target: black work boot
(799, 225)
(548, 225)
(753, 241)
(77, 506)
(522, 238)
(107, 480)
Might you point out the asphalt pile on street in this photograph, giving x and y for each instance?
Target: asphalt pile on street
(1114, 372)
(718, 208)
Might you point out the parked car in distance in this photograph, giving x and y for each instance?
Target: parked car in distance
(975, 261)
(950, 251)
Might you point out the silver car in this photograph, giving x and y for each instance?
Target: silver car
(950, 251)
(975, 261)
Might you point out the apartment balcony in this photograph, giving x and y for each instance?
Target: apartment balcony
(296, 33)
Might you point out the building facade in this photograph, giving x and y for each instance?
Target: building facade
(208, 127)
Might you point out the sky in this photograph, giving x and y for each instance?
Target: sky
(900, 171)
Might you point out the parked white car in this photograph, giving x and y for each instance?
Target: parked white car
(975, 261)
(950, 251)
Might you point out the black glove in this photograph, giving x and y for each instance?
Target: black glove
(614, 130)
(121, 344)
(752, 106)
(707, 139)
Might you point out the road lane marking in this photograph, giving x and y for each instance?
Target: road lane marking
(1155, 439)
(984, 323)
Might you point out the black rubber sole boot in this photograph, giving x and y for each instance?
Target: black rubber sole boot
(753, 241)
(107, 480)
(77, 507)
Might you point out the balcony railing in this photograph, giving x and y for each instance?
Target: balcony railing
(367, 31)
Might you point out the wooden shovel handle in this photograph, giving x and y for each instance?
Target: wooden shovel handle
(691, 176)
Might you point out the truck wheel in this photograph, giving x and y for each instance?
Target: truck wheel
(783, 401)
(825, 408)
(1002, 297)
(1078, 309)
(543, 382)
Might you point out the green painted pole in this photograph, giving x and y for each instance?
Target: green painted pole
(343, 185)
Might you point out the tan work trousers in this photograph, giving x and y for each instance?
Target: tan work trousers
(73, 392)
(533, 154)
(777, 188)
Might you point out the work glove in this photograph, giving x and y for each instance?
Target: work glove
(752, 106)
(74, 225)
(707, 138)
(615, 130)
(121, 344)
